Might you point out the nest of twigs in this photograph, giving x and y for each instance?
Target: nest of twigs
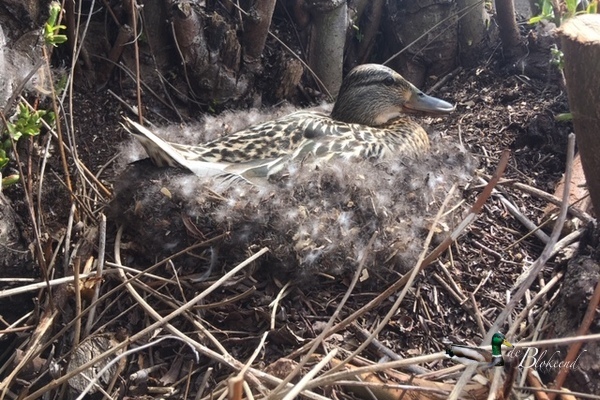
(153, 326)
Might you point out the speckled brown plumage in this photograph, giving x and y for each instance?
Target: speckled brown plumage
(367, 122)
(306, 131)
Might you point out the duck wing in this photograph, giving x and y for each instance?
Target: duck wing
(468, 354)
(267, 141)
(166, 154)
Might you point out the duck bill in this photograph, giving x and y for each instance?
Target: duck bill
(507, 343)
(419, 102)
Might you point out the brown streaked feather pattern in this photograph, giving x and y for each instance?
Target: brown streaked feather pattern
(307, 132)
(366, 122)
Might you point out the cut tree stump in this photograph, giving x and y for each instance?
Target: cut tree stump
(581, 46)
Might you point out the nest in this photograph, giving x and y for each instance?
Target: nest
(315, 219)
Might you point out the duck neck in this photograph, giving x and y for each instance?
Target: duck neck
(497, 361)
(356, 116)
(496, 350)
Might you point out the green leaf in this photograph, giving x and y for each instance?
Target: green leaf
(51, 29)
(10, 180)
(592, 8)
(564, 117)
(547, 9)
(535, 20)
(3, 159)
(571, 6)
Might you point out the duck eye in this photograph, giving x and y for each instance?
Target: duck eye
(389, 81)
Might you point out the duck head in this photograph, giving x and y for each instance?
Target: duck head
(497, 341)
(372, 94)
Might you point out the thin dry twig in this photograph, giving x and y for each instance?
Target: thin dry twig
(575, 347)
(99, 271)
(582, 215)
(392, 311)
(534, 270)
(329, 326)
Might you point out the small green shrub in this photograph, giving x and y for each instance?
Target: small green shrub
(26, 123)
(51, 29)
(547, 11)
(29, 123)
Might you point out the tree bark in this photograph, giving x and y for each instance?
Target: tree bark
(581, 45)
(416, 49)
(256, 29)
(211, 54)
(509, 33)
(189, 34)
(471, 30)
(370, 29)
(328, 38)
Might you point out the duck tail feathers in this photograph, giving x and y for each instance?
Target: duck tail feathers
(163, 154)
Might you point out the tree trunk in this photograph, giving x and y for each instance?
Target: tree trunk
(415, 48)
(471, 30)
(369, 29)
(256, 30)
(509, 33)
(581, 46)
(328, 38)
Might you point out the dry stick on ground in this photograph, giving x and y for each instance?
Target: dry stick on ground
(332, 379)
(327, 329)
(47, 319)
(575, 347)
(224, 359)
(422, 263)
(94, 379)
(381, 349)
(87, 172)
(533, 228)
(370, 385)
(145, 306)
(533, 272)
(38, 337)
(303, 383)
(67, 248)
(530, 304)
(161, 321)
(386, 294)
(529, 374)
(411, 277)
(536, 383)
(227, 361)
(201, 328)
(555, 342)
(99, 270)
(582, 215)
(237, 381)
(474, 310)
(540, 392)
(77, 290)
(478, 315)
(39, 285)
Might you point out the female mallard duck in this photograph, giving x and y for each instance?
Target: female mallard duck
(471, 355)
(366, 122)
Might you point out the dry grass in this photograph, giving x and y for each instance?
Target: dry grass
(236, 335)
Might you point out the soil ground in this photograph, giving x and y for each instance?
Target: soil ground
(498, 108)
